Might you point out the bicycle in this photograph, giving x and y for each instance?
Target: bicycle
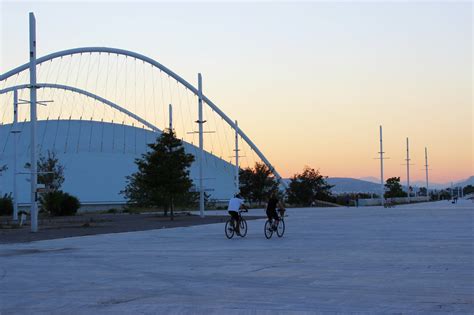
(279, 227)
(230, 226)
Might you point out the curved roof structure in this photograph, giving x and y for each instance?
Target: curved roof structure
(158, 65)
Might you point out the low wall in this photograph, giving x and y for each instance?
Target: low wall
(399, 200)
(117, 205)
(86, 206)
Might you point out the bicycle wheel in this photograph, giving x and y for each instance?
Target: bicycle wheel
(281, 228)
(268, 229)
(243, 227)
(229, 229)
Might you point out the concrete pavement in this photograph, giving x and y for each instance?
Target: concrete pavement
(411, 259)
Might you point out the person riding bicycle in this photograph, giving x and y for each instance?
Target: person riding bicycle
(273, 204)
(235, 204)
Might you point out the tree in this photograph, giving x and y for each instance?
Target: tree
(6, 204)
(307, 187)
(162, 179)
(50, 171)
(258, 183)
(469, 189)
(51, 174)
(422, 191)
(59, 203)
(394, 188)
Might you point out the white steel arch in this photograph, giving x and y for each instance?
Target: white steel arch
(166, 70)
(86, 93)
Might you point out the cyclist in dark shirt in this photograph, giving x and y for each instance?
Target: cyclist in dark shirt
(273, 204)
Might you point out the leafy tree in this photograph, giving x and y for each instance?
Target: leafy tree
(6, 204)
(246, 183)
(469, 189)
(394, 188)
(55, 202)
(441, 194)
(307, 187)
(257, 183)
(59, 203)
(50, 171)
(422, 191)
(162, 179)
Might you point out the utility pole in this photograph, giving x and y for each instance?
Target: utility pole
(237, 185)
(171, 117)
(426, 174)
(382, 187)
(201, 147)
(15, 132)
(408, 170)
(34, 178)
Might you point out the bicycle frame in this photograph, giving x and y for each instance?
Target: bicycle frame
(240, 215)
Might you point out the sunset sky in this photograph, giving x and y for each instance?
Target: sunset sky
(309, 82)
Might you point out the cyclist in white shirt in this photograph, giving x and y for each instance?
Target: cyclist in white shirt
(235, 204)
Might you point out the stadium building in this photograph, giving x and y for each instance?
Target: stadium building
(97, 157)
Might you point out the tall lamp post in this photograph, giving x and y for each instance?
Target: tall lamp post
(34, 177)
(382, 187)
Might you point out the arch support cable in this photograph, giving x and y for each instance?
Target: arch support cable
(86, 93)
(158, 65)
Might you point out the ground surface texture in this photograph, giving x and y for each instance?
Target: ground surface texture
(410, 259)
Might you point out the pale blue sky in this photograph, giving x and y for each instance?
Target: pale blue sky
(328, 73)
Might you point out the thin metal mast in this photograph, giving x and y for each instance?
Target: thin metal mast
(170, 117)
(426, 174)
(201, 147)
(15, 153)
(382, 187)
(237, 185)
(408, 170)
(34, 178)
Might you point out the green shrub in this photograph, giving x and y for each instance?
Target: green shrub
(69, 204)
(6, 205)
(59, 203)
(51, 202)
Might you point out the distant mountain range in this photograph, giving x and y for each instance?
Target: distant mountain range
(372, 184)
(371, 179)
(349, 185)
(468, 181)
